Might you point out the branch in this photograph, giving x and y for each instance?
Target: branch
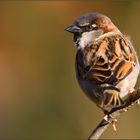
(114, 113)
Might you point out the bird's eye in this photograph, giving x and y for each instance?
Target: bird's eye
(88, 27)
(91, 27)
(94, 27)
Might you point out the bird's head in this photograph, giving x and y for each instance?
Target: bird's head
(89, 27)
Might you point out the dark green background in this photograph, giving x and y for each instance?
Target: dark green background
(39, 94)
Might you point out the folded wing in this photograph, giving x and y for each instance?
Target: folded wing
(107, 61)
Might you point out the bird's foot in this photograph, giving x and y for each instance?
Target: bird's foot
(109, 118)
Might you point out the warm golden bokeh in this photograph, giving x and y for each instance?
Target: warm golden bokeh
(39, 94)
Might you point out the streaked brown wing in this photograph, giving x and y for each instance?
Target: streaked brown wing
(107, 61)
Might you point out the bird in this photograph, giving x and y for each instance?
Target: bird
(106, 63)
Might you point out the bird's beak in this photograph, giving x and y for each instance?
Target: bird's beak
(73, 29)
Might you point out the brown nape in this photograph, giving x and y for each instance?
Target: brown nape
(106, 25)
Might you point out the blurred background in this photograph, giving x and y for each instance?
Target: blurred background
(39, 94)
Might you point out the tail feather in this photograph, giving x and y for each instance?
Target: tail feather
(111, 99)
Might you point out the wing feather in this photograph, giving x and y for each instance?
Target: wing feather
(107, 61)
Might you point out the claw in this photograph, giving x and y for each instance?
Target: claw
(114, 125)
(112, 120)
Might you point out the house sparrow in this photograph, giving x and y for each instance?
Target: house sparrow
(107, 66)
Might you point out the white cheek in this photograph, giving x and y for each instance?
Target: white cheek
(86, 39)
